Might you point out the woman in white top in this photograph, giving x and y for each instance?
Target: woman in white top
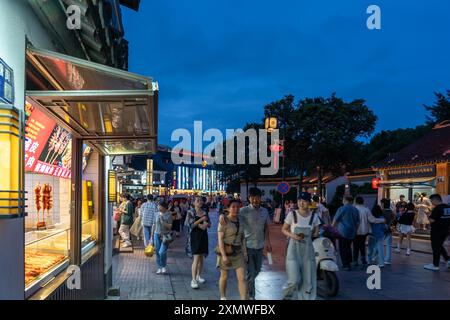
(300, 226)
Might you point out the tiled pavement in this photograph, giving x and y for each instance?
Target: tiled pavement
(135, 275)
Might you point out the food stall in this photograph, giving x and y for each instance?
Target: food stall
(421, 167)
(77, 115)
(417, 171)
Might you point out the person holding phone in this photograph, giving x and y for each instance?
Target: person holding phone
(199, 223)
(232, 252)
(300, 226)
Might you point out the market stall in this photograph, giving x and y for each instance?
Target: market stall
(78, 113)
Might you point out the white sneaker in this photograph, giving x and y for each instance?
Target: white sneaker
(159, 271)
(223, 298)
(408, 252)
(397, 250)
(387, 262)
(164, 270)
(194, 284)
(200, 280)
(431, 267)
(126, 245)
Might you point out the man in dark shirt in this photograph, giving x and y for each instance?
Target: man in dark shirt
(390, 222)
(400, 204)
(440, 224)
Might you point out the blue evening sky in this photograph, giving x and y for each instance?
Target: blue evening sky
(221, 61)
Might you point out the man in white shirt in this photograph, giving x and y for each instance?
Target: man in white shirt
(359, 245)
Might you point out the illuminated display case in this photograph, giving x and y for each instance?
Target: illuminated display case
(46, 255)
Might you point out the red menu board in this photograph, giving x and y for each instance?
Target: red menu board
(48, 147)
(38, 129)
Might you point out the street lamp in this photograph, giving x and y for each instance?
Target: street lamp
(271, 124)
(12, 195)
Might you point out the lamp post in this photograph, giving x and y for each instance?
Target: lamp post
(271, 124)
(12, 194)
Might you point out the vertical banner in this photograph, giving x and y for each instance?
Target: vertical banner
(149, 176)
(112, 186)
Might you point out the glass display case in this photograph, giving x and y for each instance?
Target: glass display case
(89, 235)
(46, 255)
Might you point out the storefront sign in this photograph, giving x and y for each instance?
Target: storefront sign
(6, 83)
(38, 129)
(415, 172)
(48, 147)
(112, 186)
(149, 176)
(45, 168)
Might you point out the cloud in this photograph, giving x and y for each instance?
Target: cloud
(221, 61)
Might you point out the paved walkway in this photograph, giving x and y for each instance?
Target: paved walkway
(135, 275)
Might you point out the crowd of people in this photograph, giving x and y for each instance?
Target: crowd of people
(243, 235)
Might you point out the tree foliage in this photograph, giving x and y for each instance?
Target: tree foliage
(331, 127)
(440, 110)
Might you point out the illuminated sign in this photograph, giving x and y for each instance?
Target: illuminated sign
(112, 186)
(48, 147)
(38, 129)
(6, 83)
(415, 172)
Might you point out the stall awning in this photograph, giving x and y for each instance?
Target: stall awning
(114, 110)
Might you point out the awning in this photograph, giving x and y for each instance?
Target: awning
(114, 110)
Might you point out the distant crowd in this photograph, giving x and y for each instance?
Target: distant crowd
(363, 236)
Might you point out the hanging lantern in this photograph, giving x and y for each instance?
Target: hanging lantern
(112, 186)
(12, 200)
(271, 124)
(375, 183)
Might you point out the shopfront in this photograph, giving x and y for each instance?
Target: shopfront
(197, 180)
(417, 171)
(413, 181)
(77, 114)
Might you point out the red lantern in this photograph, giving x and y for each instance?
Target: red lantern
(375, 183)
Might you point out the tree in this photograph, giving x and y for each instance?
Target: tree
(440, 110)
(234, 173)
(388, 141)
(333, 127)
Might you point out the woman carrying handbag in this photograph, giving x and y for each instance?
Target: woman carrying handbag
(231, 251)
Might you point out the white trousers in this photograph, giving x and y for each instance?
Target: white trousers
(124, 232)
(301, 271)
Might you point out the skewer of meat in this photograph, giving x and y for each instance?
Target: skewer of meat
(37, 199)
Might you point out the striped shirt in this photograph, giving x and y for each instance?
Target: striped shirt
(148, 211)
